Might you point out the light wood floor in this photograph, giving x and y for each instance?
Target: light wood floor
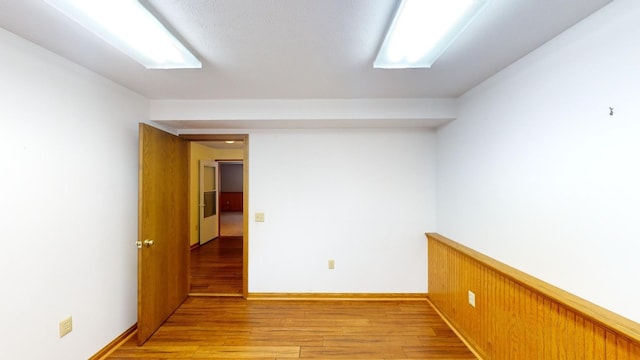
(231, 223)
(216, 267)
(233, 328)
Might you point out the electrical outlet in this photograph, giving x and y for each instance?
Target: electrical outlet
(259, 217)
(66, 325)
(472, 298)
(332, 264)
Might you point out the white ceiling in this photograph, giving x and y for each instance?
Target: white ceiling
(300, 49)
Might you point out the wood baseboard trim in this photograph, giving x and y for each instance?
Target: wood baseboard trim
(339, 296)
(456, 331)
(214, 295)
(116, 343)
(194, 246)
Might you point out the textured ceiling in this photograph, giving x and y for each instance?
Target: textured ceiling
(300, 49)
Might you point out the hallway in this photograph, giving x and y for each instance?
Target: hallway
(231, 223)
(216, 267)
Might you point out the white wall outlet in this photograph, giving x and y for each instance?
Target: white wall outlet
(66, 325)
(332, 264)
(259, 217)
(472, 298)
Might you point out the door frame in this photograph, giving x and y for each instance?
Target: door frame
(245, 199)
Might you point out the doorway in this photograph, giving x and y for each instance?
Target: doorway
(231, 196)
(218, 267)
(167, 209)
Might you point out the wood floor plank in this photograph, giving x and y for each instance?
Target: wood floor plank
(372, 340)
(288, 339)
(352, 352)
(390, 330)
(216, 267)
(328, 322)
(247, 352)
(131, 350)
(298, 330)
(233, 328)
(231, 223)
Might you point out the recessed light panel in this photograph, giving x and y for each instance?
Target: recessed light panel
(131, 28)
(423, 29)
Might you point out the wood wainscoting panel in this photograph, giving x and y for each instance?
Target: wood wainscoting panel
(517, 316)
(231, 201)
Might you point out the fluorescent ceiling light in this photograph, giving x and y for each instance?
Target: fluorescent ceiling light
(129, 27)
(423, 29)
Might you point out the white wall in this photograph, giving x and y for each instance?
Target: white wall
(361, 197)
(231, 177)
(68, 204)
(534, 172)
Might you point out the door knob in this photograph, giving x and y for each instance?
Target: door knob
(148, 243)
(139, 244)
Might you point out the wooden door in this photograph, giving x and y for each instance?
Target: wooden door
(163, 224)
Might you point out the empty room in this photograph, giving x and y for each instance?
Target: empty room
(293, 179)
